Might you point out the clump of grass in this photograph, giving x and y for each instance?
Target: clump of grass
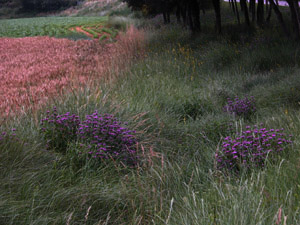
(214, 128)
(220, 57)
(119, 22)
(192, 108)
(263, 57)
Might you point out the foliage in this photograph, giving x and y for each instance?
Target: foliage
(118, 22)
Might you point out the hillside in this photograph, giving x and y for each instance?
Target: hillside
(97, 8)
(17, 9)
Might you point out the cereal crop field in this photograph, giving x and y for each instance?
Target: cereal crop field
(34, 69)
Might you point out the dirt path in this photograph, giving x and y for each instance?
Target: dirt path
(80, 30)
(99, 34)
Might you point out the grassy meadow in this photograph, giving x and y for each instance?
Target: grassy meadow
(173, 95)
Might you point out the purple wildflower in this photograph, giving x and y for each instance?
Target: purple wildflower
(251, 150)
(240, 107)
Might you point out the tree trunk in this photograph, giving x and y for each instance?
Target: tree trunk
(190, 17)
(217, 8)
(237, 12)
(295, 19)
(178, 13)
(165, 18)
(296, 4)
(260, 12)
(279, 17)
(196, 15)
(183, 12)
(252, 9)
(245, 10)
(232, 6)
(269, 12)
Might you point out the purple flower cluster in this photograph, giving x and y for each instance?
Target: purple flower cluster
(2, 137)
(98, 136)
(108, 138)
(59, 130)
(251, 148)
(240, 107)
(8, 136)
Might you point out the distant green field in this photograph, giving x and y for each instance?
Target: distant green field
(46, 26)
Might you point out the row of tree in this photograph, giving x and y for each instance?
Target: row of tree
(39, 5)
(47, 5)
(186, 11)
(253, 11)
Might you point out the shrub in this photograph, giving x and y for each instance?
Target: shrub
(251, 148)
(119, 22)
(240, 107)
(59, 130)
(214, 128)
(106, 137)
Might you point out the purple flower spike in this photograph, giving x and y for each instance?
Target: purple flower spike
(251, 151)
(240, 107)
(109, 137)
(99, 136)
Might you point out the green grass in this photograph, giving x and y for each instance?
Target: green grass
(91, 31)
(45, 26)
(174, 97)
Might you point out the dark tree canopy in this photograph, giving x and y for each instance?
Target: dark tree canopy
(187, 11)
(46, 5)
(251, 12)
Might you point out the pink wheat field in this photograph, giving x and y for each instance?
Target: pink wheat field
(33, 70)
